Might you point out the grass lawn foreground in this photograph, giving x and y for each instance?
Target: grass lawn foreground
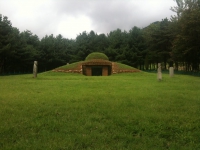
(122, 111)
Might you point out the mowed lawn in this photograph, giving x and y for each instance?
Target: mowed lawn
(125, 111)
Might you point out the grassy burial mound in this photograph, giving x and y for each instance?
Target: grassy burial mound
(70, 68)
(122, 68)
(77, 68)
(96, 57)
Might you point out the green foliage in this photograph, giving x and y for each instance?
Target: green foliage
(17, 50)
(170, 42)
(96, 55)
(159, 40)
(87, 43)
(186, 43)
(123, 111)
(54, 51)
(5, 42)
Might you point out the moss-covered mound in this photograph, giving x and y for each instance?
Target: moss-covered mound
(122, 68)
(77, 68)
(70, 68)
(96, 55)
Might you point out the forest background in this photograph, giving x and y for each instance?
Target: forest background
(174, 42)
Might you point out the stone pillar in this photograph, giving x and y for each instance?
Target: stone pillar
(171, 71)
(159, 76)
(105, 71)
(35, 69)
(88, 71)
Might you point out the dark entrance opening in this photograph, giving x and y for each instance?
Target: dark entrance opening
(96, 71)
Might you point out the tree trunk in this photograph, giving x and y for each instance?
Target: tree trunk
(176, 66)
(2, 66)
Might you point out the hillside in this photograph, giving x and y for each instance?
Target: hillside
(77, 68)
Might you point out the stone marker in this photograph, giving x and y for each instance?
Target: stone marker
(35, 64)
(171, 71)
(159, 76)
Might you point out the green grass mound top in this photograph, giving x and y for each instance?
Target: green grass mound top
(123, 66)
(77, 68)
(96, 55)
(70, 68)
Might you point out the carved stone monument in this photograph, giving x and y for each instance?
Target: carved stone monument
(35, 67)
(159, 76)
(171, 71)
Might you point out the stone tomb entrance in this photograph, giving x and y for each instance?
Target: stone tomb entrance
(97, 70)
(97, 67)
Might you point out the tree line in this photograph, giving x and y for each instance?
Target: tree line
(174, 42)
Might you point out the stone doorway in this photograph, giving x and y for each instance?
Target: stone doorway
(97, 68)
(96, 71)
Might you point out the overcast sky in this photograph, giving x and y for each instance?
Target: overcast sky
(71, 17)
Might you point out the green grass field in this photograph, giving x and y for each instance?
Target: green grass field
(124, 111)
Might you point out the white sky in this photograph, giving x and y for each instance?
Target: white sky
(71, 17)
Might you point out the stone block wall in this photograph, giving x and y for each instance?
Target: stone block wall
(88, 71)
(104, 71)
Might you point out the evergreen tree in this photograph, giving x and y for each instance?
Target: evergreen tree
(186, 45)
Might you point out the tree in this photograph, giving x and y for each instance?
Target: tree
(82, 46)
(54, 51)
(137, 47)
(11, 48)
(117, 44)
(5, 38)
(159, 41)
(29, 50)
(187, 42)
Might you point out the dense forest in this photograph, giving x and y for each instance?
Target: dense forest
(174, 42)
